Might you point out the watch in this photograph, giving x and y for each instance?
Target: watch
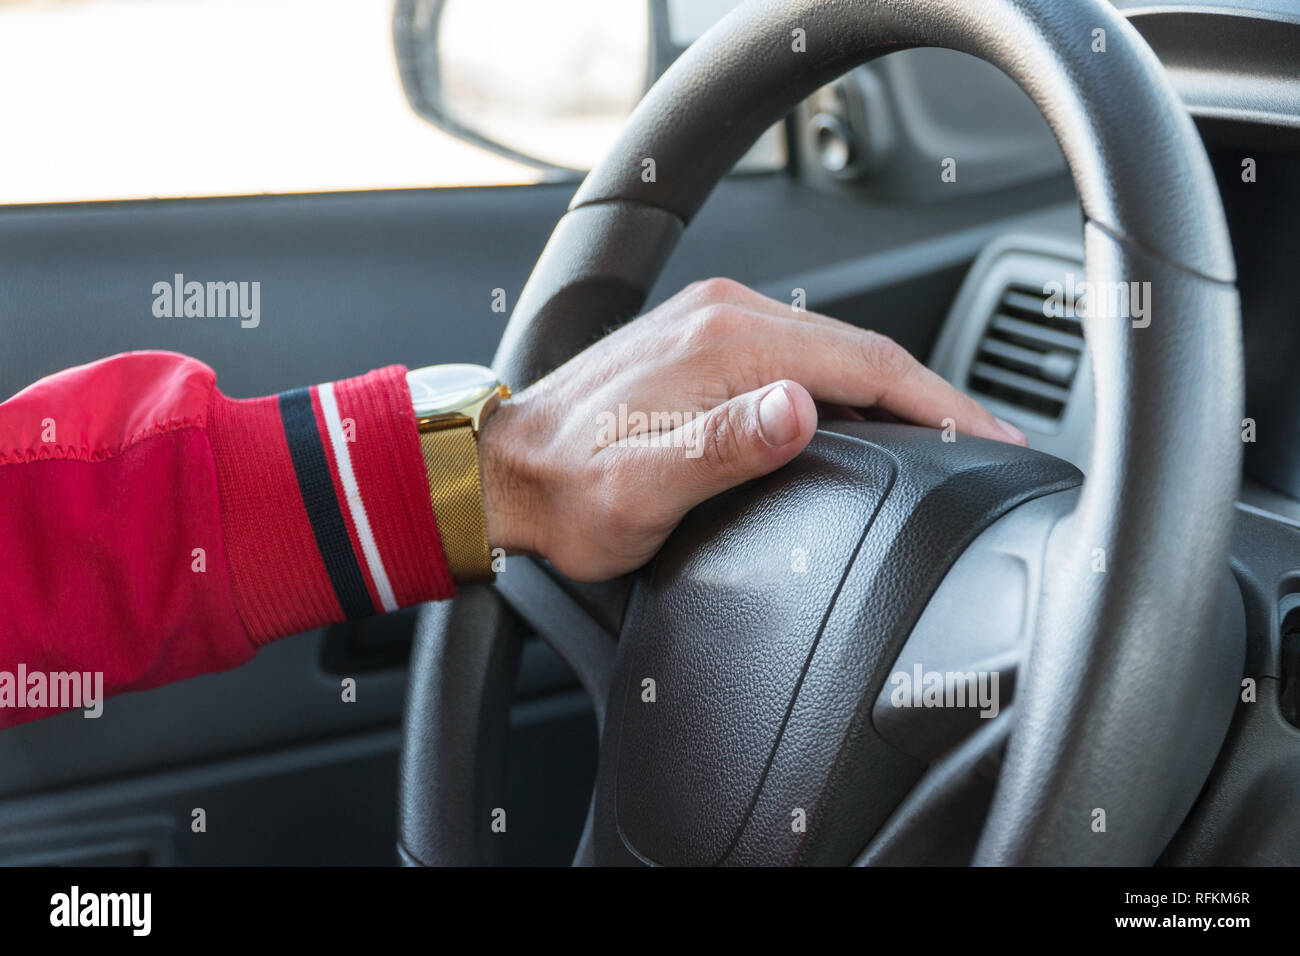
(451, 403)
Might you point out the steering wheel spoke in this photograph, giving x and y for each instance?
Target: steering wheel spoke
(556, 617)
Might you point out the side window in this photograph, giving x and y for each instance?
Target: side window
(135, 99)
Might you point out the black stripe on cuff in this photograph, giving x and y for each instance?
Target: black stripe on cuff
(312, 468)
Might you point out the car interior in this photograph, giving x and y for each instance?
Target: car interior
(935, 177)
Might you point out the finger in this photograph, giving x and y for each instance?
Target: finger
(711, 292)
(908, 388)
(730, 292)
(850, 366)
(743, 438)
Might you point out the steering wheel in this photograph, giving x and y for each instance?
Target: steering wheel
(746, 706)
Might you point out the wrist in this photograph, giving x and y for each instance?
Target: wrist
(510, 499)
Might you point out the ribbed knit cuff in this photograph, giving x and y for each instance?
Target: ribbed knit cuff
(324, 504)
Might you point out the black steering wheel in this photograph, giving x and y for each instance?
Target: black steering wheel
(744, 704)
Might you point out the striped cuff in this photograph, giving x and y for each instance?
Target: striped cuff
(324, 504)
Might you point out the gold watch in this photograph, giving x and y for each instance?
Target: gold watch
(451, 403)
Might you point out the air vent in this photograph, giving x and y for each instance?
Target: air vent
(1027, 358)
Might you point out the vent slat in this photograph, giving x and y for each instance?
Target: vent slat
(1025, 357)
(1024, 383)
(1054, 366)
(1007, 325)
(1015, 300)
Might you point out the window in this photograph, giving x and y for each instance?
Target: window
(138, 99)
(128, 99)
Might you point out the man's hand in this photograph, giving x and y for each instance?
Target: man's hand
(593, 466)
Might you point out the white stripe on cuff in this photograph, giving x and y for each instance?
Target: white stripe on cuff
(334, 425)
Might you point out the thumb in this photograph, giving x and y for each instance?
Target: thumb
(743, 438)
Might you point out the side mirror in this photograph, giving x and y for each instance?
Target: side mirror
(548, 83)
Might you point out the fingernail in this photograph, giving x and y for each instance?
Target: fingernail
(1016, 434)
(776, 419)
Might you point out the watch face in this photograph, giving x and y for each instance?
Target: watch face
(440, 389)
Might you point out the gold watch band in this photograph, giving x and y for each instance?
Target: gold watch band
(451, 466)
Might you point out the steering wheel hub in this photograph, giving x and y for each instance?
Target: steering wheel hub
(740, 725)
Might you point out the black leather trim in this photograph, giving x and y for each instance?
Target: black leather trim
(451, 775)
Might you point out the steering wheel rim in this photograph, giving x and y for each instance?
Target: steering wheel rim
(1168, 396)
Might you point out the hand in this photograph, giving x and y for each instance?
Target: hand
(593, 466)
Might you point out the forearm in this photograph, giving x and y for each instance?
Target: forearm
(154, 529)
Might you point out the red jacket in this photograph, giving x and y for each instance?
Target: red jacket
(153, 529)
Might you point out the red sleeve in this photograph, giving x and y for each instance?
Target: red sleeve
(152, 529)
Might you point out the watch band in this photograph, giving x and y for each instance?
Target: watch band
(451, 466)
